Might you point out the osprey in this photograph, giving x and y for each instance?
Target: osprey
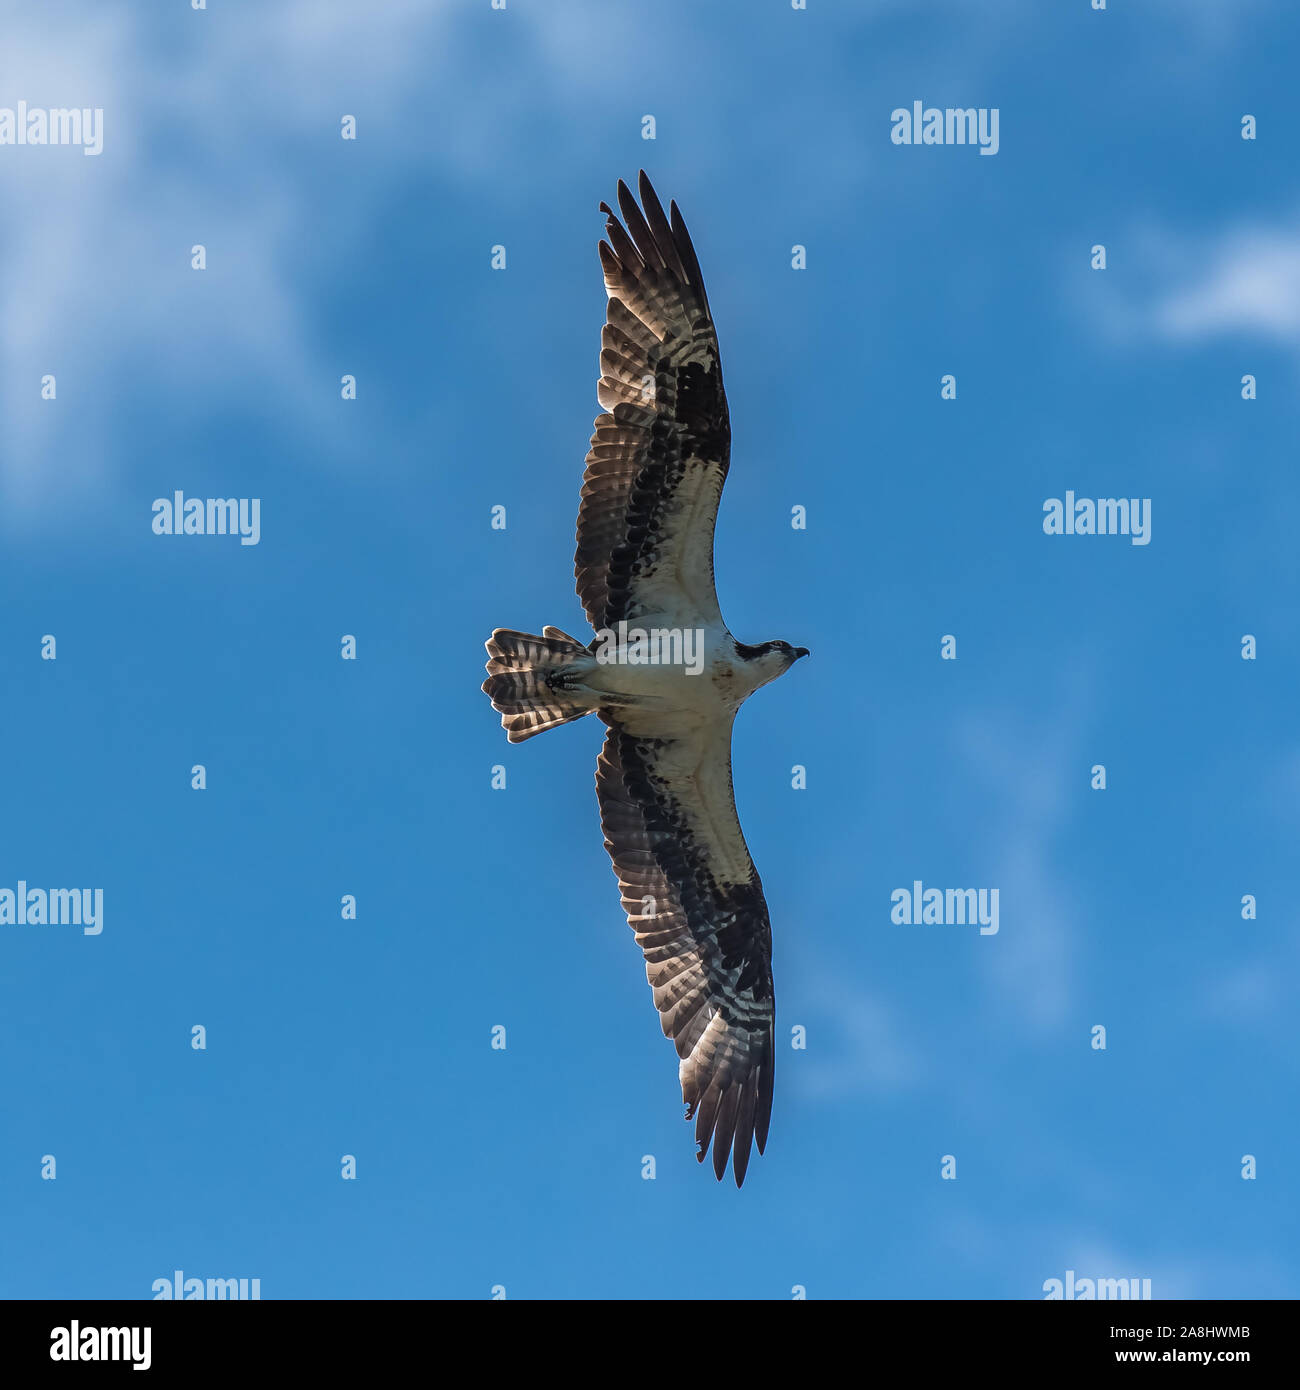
(666, 676)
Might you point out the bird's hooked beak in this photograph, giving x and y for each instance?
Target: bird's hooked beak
(801, 651)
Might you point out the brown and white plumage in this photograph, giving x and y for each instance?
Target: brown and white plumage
(654, 476)
(659, 455)
(693, 897)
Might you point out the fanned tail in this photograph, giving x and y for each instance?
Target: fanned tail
(528, 680)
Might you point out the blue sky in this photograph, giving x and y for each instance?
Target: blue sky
(522, 1168)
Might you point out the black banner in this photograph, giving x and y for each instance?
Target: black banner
(167, 1340)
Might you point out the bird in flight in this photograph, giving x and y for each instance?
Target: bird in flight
(665, 676)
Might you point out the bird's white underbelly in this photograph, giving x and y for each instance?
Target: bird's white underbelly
(692, 675)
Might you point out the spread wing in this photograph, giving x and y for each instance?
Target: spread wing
(694, 899)
(659, 455)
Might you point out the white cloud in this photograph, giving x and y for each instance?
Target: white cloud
(201, 145)
(1242, 280)
(1250, 283)
(1024, 822)
(861, 1050)
(1217, 22)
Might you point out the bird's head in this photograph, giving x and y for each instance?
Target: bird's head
(768, 660)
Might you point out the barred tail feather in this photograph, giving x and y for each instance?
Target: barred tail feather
(525, 681)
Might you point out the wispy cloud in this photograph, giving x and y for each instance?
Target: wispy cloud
(1250, 284)
(1241, 281)
(219, 128)
(1213, 21)
(863, 1050)
(1028, 772)
(205, 145)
